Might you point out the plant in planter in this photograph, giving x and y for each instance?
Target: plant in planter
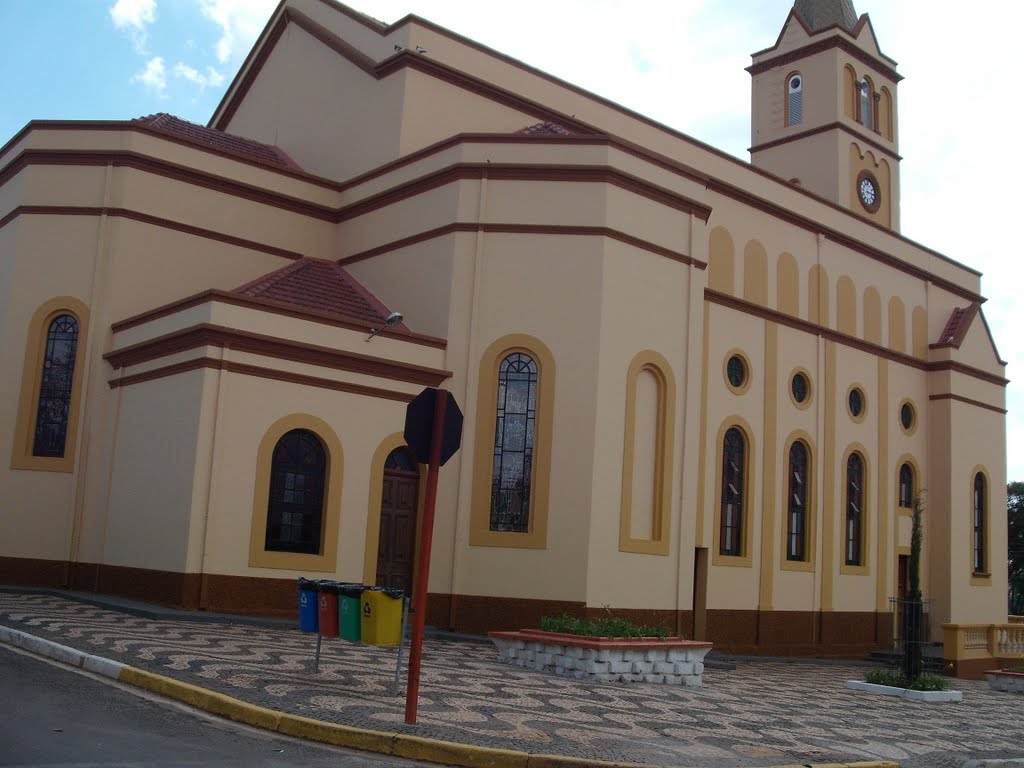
(909, 681)
(604, 650)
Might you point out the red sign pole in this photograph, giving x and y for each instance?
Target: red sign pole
(423, 568)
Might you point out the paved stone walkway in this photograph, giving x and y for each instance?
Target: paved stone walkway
(760, 714)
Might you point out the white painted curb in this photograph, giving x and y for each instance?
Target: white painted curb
(62, 653)
(905, 693)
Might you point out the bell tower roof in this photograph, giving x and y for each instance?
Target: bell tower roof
(822, 14)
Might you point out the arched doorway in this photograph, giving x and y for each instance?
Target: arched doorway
(396, 549)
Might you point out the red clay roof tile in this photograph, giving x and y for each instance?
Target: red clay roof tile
(226, 142)
(323, 286)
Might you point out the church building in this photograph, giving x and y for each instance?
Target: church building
(698, 392)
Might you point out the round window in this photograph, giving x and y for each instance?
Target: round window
(799, 386)
(856, 403)
(907, 416)
(736, 370)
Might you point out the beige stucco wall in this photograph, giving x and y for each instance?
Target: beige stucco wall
(358, 118)
(154, 464)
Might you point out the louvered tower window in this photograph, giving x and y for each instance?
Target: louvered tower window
(794, 100)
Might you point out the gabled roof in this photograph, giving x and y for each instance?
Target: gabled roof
(211, 137)
(822, 14)
(322, 286)
(957, 325)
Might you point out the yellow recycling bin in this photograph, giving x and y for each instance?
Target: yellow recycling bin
(381, 622)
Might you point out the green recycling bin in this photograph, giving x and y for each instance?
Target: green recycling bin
(349, 619)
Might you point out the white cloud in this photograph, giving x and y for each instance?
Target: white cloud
(240, 22)
(211, 79)
(153, 76)
(134, 16)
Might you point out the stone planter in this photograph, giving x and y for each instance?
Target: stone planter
(905, 693)
(1005, 680)
(672, 661)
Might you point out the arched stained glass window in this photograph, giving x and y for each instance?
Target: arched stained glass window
(906, 486)
(979, 523)
(58, 373)
(796, 539)
(854, 508)
(514, 432)
(295, 509)
(401, 460)
(733, 481)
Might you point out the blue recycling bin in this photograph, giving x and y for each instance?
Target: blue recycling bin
(308, 610)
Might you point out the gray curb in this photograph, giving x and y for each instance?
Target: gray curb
(62, 653)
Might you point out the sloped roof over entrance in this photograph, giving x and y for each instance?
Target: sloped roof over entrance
(822, 14)
(215, 139)
(322, 286)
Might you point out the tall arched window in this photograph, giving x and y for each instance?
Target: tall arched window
(794, 99)
(295, 508)
(796, 538)
(733, 477)
(515, 427)
(907, 486)
(865, 103)
(58, 373)
(979, 524)
(854, 509)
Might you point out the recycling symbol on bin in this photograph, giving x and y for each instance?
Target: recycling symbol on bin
(323, 602)
(366, 609)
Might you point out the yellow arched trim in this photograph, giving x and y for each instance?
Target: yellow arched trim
(31, 379)
(850, 92)
(865, 519)
(907, 458)
(810, 521)
(897, 325)
(326, 561)
(787, 285)
(755, 273)
(872, 315)
(744, 560)
(664, 442)
(371, 549)
(846, 306)
(480, 533)
(980, 579)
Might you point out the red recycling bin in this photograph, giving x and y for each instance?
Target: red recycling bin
(327, 608)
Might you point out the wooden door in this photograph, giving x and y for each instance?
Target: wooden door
(396, 549)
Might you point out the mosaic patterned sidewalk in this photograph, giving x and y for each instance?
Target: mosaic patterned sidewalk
(759, 714)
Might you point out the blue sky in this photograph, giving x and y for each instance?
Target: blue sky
(681, 62)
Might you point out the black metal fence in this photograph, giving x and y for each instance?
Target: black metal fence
(911, 635)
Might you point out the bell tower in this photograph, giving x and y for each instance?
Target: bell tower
(823, 110)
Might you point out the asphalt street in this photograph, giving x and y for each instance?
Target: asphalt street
(52, 716)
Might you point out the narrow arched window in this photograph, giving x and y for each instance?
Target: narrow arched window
(865, 102)
(794, 99)
(514, 431)
(295, 510)
(58, 372)
(854, 508)
(906, 486)
(733, 477)
(979, 523)
(796, 538)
